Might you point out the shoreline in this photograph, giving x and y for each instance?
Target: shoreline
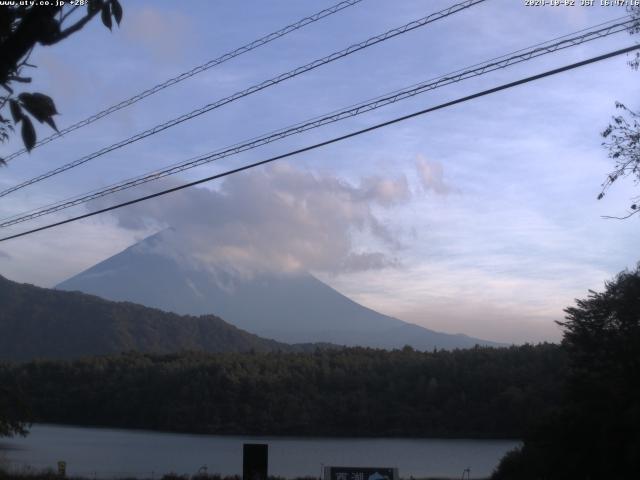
(296, 436)
(52, 475)
(93, 454)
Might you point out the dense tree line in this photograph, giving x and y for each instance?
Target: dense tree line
(13, 410)
(595, 432)
(480, 392)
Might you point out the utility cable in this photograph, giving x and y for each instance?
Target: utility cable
(331, 141)
(351, 111)
(256, 88)
(194, 71)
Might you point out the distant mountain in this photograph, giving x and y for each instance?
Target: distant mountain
(43, 323)
(285, 307)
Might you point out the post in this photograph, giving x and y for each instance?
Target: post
(62, 469)
(255, 461)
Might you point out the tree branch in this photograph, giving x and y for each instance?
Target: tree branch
(64, 17)
(609, 217)
(77, 26)
(30, 30)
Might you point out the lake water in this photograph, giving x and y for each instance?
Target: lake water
(108, 453)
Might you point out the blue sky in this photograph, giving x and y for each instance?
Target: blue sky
(481, 218)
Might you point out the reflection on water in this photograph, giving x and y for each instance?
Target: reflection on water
(105, 453)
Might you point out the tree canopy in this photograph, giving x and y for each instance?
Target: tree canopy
(596, 432)
(23, 26)
(14, 413)
(622, 137)
(480, 392)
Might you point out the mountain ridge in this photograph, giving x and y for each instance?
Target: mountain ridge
(288, 307)
(44, 323)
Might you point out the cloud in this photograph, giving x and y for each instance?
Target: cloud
(164, 34)
(385, 191)
(356, 262)
(431, 175)
(4, 255)
(68, 82)
(280, 218)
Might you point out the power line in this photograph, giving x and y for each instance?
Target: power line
(504, 61)
(194, 71)
(331, 141)
(256, 88)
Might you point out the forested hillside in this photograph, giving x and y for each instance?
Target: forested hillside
(480, 392)
(42, 323)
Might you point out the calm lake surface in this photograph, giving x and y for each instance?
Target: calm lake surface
(107, 453)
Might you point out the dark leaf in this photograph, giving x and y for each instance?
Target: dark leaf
(48, 31)
(116, 9)
(16, 111)
(634, 207)
(600, 196)
(2, 162)
(39, 105)
(49, 121)
(106, 15)
(28, 133)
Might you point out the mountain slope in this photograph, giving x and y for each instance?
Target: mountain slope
(42, 323)
(286, 307)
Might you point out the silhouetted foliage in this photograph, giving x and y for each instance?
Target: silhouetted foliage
(23, 26)
(14, 415)
(622, 137)
(479, 392)
(596, 432)
(623, 142)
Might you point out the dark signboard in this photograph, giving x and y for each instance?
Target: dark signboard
(360, 473)
(255, 460)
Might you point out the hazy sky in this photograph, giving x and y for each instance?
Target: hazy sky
(481, 218)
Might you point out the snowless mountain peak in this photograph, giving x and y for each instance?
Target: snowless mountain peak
(288, 306)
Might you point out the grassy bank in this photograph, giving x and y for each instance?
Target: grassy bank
(51, 475)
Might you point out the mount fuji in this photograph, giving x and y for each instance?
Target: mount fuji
(293, 308)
